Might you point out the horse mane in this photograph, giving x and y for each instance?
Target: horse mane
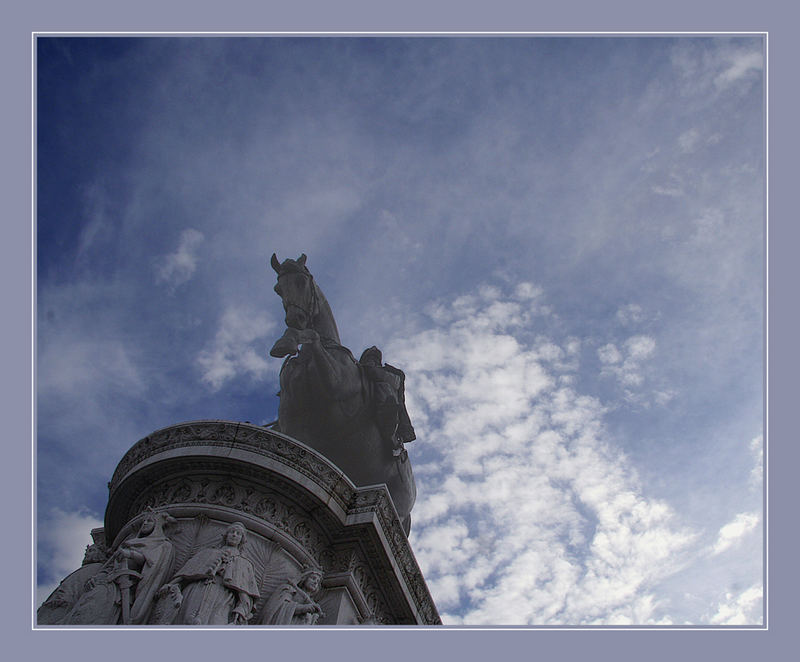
(324, 323)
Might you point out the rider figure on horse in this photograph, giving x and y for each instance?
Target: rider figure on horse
(387, 386)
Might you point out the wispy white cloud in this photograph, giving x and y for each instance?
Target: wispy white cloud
(640, 347)
(693, 139)
(743, 608)
(525, 291)
(708, 71)
(733, 532)
(688, 140)
(233, 352)
(97, 224)
(738, 65)
(609, 354)
(626, 365)
(530, 515)
(669, 191)
(178, 267)
(669, 181)
(630, 314)
(664, 397)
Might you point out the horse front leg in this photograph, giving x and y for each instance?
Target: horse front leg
(287, 345)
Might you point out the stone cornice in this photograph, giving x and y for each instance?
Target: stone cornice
(234, 456)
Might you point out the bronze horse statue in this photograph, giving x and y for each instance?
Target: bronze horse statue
(326, 396)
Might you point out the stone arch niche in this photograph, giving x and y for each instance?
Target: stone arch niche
(302, 516)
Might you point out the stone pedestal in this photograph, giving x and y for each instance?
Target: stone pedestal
(299, 510)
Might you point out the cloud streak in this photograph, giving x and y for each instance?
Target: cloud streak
(178, 267)
(235, 351)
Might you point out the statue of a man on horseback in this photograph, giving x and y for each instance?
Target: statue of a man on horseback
(387, 397)
(353, 412)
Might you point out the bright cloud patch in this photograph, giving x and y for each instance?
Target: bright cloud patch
(530, 516)
(744, 608)
(739, 65)
(233, 352)
(626, 365)
(734, 531)
(177, 268)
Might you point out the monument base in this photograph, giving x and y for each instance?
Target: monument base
(301, 517)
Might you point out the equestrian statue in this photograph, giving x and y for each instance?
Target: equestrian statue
(353, 412)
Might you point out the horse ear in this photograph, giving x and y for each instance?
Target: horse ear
(302, 260)
(275, 264)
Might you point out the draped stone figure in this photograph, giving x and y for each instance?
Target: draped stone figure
(216, 586)
(63, 599)
(293, 604)
(124, 589)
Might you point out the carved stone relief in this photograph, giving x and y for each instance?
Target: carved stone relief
(293, 602)
(377, 501)
(55, 608)
(216, 586)
(267, 505)
(124, 589)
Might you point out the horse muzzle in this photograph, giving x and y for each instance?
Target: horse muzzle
(296, 317)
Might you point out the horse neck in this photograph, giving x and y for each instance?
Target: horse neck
(324, 323)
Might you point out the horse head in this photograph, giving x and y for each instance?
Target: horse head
(297, 291)
(303, 302)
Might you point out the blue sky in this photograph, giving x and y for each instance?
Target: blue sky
(560, 240)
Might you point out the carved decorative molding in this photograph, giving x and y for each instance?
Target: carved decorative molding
(267, 505)
(378, 501)
(292, 492)
(252, 438)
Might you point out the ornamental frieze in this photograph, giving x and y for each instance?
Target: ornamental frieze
(241, 436)
(266, 505)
